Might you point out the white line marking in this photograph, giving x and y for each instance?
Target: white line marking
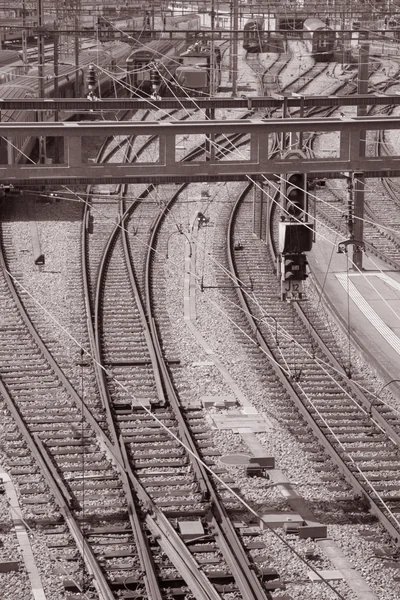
(369, 312)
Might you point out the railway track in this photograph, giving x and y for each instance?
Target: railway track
(72, 468)
(267, 76)
(84, 468)
(58, 456)
(126, 342)
(360, 435)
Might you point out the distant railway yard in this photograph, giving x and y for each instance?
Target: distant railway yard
(185, 411)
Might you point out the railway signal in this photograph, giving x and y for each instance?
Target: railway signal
(294, 267)
(295, 237)
(155, 79)
(293, 273)
(295, 195)
(91, 83)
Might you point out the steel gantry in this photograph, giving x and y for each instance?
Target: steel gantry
(342, 155)
(79, 105)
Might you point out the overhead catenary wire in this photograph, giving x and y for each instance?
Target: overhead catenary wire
(217, 146)
(288, 335)
(177, 439)
(264, 191)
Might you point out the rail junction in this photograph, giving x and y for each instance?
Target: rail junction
(190, 406)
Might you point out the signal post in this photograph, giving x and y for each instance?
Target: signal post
(261, 210)
(296, 234)
(359, 182)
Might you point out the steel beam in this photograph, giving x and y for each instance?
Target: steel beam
(176, 128)
(251, 102)
(345, 157)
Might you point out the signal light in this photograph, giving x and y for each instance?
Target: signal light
(294, 267)
(91, 82)
(289, 268)
(202, 219)
(91, 78)
(296, 195)
(155, 79)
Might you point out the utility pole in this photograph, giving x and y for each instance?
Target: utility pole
(212, 48)
(56, 92)
(76, 45)
(285, 115)
(210, 112)
(359, 183)
(235, 46)
(24, 38)
(40, 48)
(42, 140)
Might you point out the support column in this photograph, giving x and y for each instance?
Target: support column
(24, 39)
(283, 134)
(235, 47)
(210, 138)
(10, 151)
(76, 51)
(212, 48)
(359, 183)
(42, 140)
(56, 92)
(73, 151)
(166, 148)
(260, 210)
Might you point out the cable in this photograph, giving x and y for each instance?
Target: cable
(264, 191)
(254, 182)
(172, 434)
(288, 336)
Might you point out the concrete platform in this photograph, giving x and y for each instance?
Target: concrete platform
(374, 306)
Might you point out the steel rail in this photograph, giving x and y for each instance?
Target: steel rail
(386, 521)
(103, 442)
(169, 539)
(233, 551)
(94, 336)
(141, 541)
(52, 476)
(138, 299)
(61, 496)
(145, 556)
(371, 406)
(338, 226)
(94, 320)
(49, 472)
